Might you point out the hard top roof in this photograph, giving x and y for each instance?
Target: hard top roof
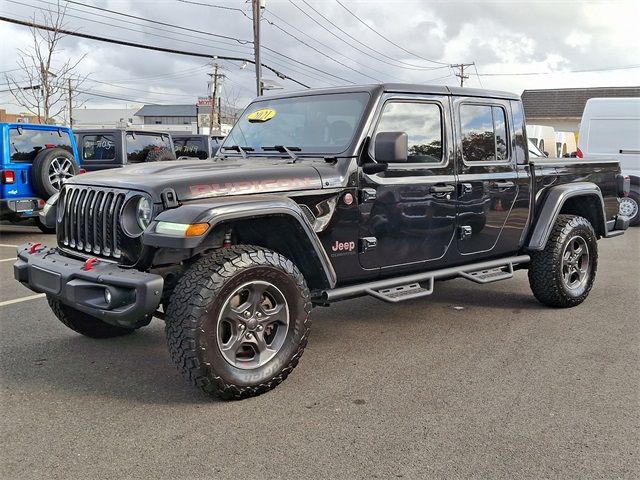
(376, 89)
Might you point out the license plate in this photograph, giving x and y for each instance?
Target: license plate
(24, 206)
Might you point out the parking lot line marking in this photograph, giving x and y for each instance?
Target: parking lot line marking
(8, 246)
(22, 299)
(7, 259)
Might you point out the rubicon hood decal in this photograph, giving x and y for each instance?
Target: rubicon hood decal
(206, 178)
(252, 186)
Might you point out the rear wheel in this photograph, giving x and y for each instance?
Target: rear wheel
(563, 273)
(85, 324)
(238, 321)
(630, 207)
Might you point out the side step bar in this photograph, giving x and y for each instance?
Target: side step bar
(419, 285)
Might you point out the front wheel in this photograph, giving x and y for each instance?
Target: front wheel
(563, 273)
(238, 321)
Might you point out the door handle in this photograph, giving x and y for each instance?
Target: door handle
(440, 189)
(506, 184)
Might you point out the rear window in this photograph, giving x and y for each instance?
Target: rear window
(190, 147)
(25, 144)
(484, 133)
(139, 145)
(98, 147)
(610, 135)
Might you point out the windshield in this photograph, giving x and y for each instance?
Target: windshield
(322, 124)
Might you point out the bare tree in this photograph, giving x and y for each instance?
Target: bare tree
(45, 87)
(231, 107)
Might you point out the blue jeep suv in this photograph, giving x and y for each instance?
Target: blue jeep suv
(36, 160)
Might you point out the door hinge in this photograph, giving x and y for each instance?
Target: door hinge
(368, 243)
(464, 231)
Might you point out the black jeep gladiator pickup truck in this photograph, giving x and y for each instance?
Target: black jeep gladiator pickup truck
(316, 197)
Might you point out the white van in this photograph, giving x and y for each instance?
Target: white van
(544, 138)
(610, 128)
(565, 144)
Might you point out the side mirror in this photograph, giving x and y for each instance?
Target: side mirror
(391, 147)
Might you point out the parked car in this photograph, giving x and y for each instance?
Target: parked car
(36, 161)
(544, 138)
(111, 148)
(610, 128)
(315, 197)
(565, 145)
(197, 146)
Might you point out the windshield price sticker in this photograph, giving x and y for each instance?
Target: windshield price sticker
(262, 115)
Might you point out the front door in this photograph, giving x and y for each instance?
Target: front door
(408, 211)
(487, 174)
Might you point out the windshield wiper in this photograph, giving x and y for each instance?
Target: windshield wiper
(282, 149)
(237, 148)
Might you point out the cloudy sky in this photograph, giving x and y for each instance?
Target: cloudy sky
(336, 42)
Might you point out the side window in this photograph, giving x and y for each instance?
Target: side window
(190, 147)
(98, 147)
(140, 144)
(422, 123)
(25, 144)
(484, 133)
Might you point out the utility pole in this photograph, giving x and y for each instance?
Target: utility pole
(257, 5)
(461, 75)
(215, 115)
(70, 104)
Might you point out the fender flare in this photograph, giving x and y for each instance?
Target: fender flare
(553, 203)
(216, 211)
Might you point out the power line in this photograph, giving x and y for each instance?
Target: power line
(144, 46)
(385, 38)
(216, 6)
(604, 69)
(319, 51)
(321, 43)
(375, 53)
(243, 42)
(298, 62)
(477, 74)
(136, 24)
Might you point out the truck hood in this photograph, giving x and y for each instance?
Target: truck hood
(194, 179)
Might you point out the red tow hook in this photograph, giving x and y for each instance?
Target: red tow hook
(34, 248)
(88, 265)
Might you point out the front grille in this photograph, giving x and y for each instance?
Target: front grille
(90, 220)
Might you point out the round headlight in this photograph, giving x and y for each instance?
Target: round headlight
(143, 212)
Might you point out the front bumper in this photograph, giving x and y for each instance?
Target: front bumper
(134, 295)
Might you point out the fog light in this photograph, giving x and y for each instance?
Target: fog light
(107, 296)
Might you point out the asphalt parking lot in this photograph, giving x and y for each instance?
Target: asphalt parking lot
(475, 382)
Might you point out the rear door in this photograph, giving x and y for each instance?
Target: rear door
(487, 174)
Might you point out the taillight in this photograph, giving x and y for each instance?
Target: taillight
(82, 170)
(579, 153)
(8, 176)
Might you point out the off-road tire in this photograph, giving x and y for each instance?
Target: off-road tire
(39, 175)
(635, 219)
(161, 155)
(85, 324)
(43, 228)
(196, 303)
(545, 268)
